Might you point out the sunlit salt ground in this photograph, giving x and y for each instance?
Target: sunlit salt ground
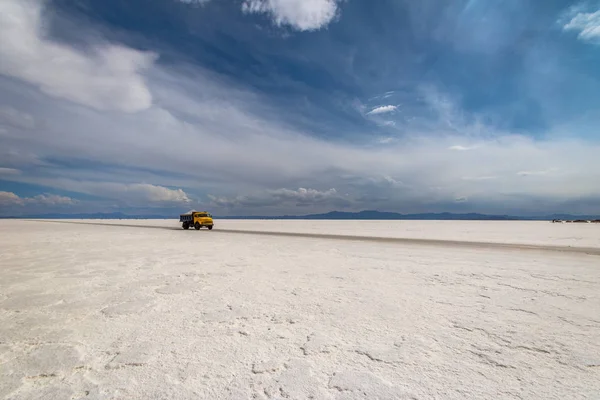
(92, 311)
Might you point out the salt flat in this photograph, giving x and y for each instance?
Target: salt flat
(91, 311)
(540, 233)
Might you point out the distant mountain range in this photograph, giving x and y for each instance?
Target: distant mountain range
(333, 215)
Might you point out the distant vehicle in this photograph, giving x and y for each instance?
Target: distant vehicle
(197, 219)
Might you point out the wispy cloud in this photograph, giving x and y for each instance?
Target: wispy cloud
(538, 173)
(444, 108)
(303, 15)
(386, 140)
(478, 178)
(587, 24)
(281, 197)
(461, 148)
(9, 171)
(13, 117)
(196, 132)
(383, 110)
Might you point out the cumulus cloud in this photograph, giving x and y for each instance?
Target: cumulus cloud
(382, 110)
(134, 194)
(156, 193)
(587, 24)
(11, 199)
(130, 195)
(303, 15)
(105, 77)
(303, 195)
(52, 200)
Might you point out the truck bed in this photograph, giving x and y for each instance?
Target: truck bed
(186, 217)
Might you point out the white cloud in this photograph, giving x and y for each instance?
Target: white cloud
(51, 200)
(11, 199)
(393, 182)
(9, 171)
(205, 135)
(587, 24)
(386, 95)
(386, 140)
(134, 194)
(382, 110)
(534, 173)
(105, 77)
(478, 178)
(386, 123)
(279, 197)
(236, 151)
(461, 148)
(303, 15)
(304, 195)
(157, 193)
(15, 118)
(131, 195)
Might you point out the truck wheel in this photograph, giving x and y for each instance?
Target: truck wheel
(210, 227)
(186, 225)
(197, 226)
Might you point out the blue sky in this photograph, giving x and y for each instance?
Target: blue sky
(267, 107)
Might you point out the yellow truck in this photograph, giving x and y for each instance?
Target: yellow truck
(197, 219)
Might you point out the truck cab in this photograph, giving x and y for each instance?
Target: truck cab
(197, 219)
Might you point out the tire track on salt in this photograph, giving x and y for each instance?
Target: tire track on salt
(378, 239)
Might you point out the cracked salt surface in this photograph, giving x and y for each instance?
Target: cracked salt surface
(187, 315)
